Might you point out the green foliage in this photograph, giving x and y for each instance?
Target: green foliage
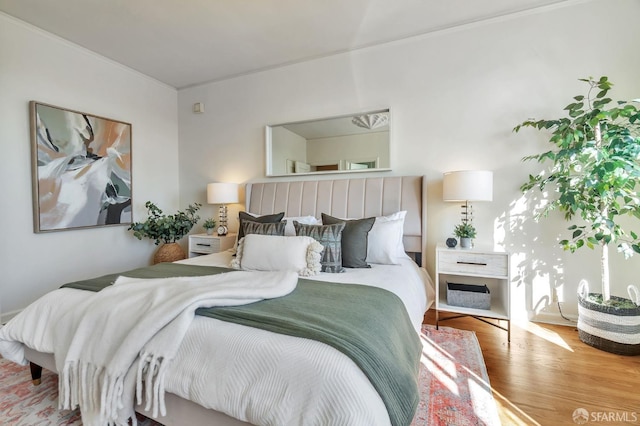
(210, 223)
(163, 228)
(618, 302)
(465, 230)
(594, 168)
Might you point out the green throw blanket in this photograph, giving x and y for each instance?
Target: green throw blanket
(368, 324)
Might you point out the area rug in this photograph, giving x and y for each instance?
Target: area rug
(454, 384)
(454, 387)
(23, 404)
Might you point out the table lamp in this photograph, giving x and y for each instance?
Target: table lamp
(467, 186)
(222, 194)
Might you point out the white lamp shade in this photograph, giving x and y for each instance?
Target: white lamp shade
(468, 185)
(222, 193)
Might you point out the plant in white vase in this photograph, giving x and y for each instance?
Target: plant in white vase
(209, 225)
(466, 232)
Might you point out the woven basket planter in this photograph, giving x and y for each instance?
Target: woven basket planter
(169, 253)
(608, 328)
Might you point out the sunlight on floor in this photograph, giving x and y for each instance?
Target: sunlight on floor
(543, 333)
(442, 369)
(478, 388)
(457, 375)
(510, 414)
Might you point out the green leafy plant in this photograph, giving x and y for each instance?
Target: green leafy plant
(166, 228)
(594, 172)
(465, 230)
(209, 223)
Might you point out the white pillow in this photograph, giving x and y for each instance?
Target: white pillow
(290, 231)
(384, 245)
(275, 253)
(397, 215)
(383, 240)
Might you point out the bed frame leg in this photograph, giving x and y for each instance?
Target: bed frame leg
(36, 373)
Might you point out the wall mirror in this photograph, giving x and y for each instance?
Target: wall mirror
(346, 144)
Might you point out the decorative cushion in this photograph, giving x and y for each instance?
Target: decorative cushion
(249, 227)
(269, 218)
(384, 237)
(274, 253)
(385, 244)
(354, 240)
(330, 236)
(306, 220)
(398, 215)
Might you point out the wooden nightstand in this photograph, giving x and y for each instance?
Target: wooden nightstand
(475, 266)
(200, 244)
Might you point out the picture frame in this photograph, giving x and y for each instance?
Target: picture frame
(81, 169)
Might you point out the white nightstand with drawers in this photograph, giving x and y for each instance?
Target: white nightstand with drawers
(200, 244)
(476, 266)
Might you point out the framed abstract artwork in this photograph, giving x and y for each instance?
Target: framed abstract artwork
(81, 167)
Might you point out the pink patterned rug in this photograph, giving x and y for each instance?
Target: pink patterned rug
(454, 387)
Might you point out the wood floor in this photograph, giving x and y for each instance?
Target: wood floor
(546, 373)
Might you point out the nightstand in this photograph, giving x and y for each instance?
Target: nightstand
(476, 266)
(200, 244)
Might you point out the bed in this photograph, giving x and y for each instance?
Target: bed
(298, 370)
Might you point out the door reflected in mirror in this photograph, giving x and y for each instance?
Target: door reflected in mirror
(345, 144)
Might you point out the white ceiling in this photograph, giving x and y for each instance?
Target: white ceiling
(187, 42)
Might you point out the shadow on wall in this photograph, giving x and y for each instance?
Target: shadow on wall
(537, 268)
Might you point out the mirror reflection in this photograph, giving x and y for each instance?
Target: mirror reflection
(345, 144)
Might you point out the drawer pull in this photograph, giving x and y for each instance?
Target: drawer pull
(471, 263)
(203, 245)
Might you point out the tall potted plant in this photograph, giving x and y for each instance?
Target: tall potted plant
(167, 229)
(593, 178)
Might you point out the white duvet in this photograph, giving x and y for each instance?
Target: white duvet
(254, 375)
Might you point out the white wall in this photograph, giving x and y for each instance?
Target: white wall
(35, 65)
(455, 96)
(354, 148)
(288, 146)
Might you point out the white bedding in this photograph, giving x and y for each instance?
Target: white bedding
(409, 282)
(255, 375)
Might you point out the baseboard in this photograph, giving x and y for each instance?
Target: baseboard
(554, 318)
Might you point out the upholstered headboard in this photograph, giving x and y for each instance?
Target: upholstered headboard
(347, 198)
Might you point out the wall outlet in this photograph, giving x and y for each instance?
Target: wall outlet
(554, 295)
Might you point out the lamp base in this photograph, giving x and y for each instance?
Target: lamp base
(223, 229)
(467, 212)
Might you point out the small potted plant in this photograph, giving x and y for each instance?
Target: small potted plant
(466, 232)
(167, 229)
(209, 225)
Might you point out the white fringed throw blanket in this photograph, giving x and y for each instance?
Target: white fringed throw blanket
(125, 336)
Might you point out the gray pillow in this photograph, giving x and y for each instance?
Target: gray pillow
(249, 227)
(269, 218)
(330, 236)
(354, 240)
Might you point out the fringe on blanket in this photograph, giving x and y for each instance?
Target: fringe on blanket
(153, 368)
(92, 388)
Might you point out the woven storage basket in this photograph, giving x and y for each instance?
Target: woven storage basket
(169, 253)
(610, 329)
(468, 296)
